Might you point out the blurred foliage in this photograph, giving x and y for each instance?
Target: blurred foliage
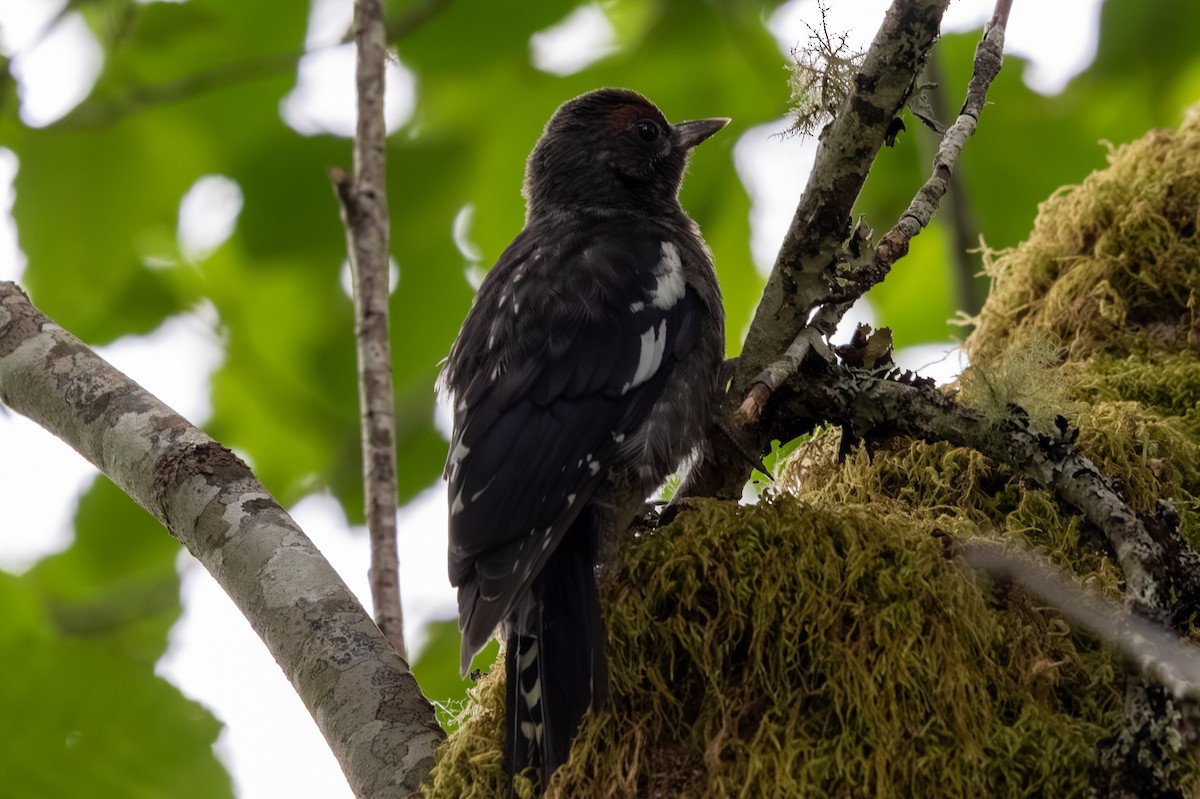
(86, 716)
(436, 670)
(1027, 145)
(193, 89)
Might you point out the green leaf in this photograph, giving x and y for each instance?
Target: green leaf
(85, 721)
(93, 207)
(436, 670)
(80, 635)
(117, 581)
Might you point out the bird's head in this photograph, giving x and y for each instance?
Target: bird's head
(611, 149)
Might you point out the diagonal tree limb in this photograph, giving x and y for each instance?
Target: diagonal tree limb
(989, 54)
(364, 213)
(359, 691)
(1155, 651)
(806, 263)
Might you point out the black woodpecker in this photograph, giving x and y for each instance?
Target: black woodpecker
(587, 370)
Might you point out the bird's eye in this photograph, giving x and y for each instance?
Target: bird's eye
(647, 129)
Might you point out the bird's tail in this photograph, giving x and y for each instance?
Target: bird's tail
(555, 663)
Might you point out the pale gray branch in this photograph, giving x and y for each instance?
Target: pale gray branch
(365, 217)
(359, 691)
(807, 262)
(1154, 650)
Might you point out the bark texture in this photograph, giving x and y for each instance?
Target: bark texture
(360, 692)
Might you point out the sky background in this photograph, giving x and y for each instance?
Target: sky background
(270, 743)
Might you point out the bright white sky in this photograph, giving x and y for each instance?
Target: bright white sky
(270, 744)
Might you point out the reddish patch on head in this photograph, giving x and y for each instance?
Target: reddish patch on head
(625, 116)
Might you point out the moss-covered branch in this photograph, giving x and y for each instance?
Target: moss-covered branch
(870, 406)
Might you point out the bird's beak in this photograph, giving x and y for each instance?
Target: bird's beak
(689, 134)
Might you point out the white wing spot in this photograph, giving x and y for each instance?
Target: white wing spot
(654, 344)
(479, 493)
(460, 451)
(618, 438)
(570, 500)
(669, 272)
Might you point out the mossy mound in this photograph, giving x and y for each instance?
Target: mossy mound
(1112, 265)
(826, 643)
(791, 649)
(1108, 277)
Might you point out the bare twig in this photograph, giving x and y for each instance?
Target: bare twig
(365, 216)
(326, 644)
(773, 375)
(1157, 652)
(959, 217)
(989, 55)
(806, 262)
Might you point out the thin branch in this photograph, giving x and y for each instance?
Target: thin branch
(989, 55)
(806, 262)
(365, 217)
(775, 373)
(960, 216)
(1153, 649)
(384, 737)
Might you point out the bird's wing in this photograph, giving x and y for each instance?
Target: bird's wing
(563, 356)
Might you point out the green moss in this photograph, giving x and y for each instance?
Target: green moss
(798, 649)
(826, 643)
(1112, 264)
